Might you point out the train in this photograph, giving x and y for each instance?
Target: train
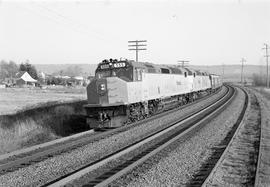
(125, 91)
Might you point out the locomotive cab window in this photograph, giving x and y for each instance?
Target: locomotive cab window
(164, 70)
(137, 74)
(102, 74)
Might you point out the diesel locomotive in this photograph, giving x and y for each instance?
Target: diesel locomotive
(125, 91)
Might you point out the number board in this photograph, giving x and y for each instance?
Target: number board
(119, 65)
(115, 65)
(104, 66)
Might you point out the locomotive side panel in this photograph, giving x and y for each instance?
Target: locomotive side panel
(190, 83)
(117, 90)
(135, 92)
(215, 81)
(197, 83)
(165, 85)
(207, 82)
(154, 85)
(201, 83)
(184, 84)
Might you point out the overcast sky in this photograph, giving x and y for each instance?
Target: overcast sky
(204, 32)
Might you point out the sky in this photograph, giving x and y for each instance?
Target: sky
(205, 32)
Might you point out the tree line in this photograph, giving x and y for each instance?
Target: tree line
(70, 71)
(10, 69)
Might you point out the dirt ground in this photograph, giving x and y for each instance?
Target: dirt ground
(14, 99)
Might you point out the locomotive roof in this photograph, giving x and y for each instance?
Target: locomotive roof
(174, 69)
(159, 68)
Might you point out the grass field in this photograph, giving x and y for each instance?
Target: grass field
(15, 99)
(33, 116)
(265, 92)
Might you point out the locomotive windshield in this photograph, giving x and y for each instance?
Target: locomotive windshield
(104, 73)
(119, 69)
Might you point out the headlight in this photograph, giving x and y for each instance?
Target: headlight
(102, 87)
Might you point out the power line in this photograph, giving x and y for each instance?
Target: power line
(57, 17)
(137, 44)
(50, 18)
(267, 72)
(74, 24)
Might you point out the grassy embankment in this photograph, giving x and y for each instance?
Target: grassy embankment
(264, 91)
(33, 122)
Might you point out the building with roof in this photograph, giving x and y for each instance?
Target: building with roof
(24, 78)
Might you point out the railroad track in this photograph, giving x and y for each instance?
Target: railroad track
(109, 168)
(22, 158)
(235, 160)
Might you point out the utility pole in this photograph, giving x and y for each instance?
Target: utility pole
(183, 63)
(222, 72)
(242, 60)
(266, 55)
(137, 44)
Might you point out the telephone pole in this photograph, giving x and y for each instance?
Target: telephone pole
(242, 60)
(183, 63)
(266, 55)
(222, 72)
(137, 44)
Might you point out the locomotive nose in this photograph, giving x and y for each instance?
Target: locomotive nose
(97, 91)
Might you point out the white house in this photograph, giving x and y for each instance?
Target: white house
(23, 78)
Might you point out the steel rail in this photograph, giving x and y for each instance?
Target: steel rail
(239, 124)
(187, 125)
(12, 162)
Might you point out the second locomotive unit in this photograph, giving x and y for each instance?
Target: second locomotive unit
(125, 91)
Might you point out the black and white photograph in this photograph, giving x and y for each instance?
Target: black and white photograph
(137, 93)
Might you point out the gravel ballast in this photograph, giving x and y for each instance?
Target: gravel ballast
(42, 172)
(263, 167)
(176, 165)
(238, 165)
